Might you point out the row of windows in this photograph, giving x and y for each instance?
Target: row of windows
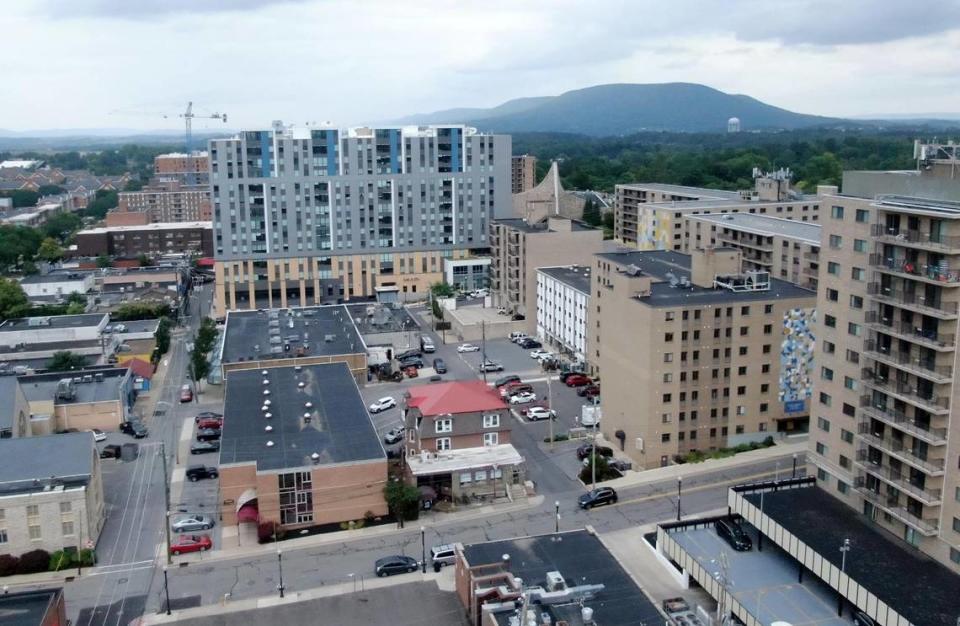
(669, 316)
(445, 425)
(860, 215)
(742, 351)
(445, 443)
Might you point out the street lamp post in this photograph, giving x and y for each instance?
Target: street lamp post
(679, 494)
(843, 570)
(556, 509)
(166, 588)
(280, 566)
(794, 474)
(423, 548)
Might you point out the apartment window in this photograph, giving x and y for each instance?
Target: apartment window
(491, 421)
(833, 295)
(842, 487)
(681, 436)
(443, 443)
(296, 497)
(66, 507)
(862, 215)
(836, 212)
(821, 475)
(668, 377)
(666, 418)
(765, 388)
(742, 351)
(667, 397)
(739, 429)
(821, 449)
(846, 435)
(466, 477)
(765, 368)
(67, 528)
(767, 329)
(3, 535)
(444, 426)
(741, 410)
(742, 370)
(744, 330)
(829, 347)
(667, 337)
(741, 390)
(744, 310)
(668, 357)
(856, 302)
(829, 321)
(665, 438)
(33, 510)
(858, 273)
(825, 399)
(833, 268)
(826, 373)
(859, 245)
(764, 407)
(956, 494)
(853, 329)
(849, 410)
(823, 424)
(491, 439)
(767, 309)
(34, 532)
(669, 316)
(853, 357)
(836, 241)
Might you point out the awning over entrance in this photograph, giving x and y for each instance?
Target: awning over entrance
(247, 509)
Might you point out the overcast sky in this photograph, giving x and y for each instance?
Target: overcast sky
(75, 63)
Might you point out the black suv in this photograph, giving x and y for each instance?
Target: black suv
(208, 434)
(414, 361)
(585, 449)
(500, 382)
(528, 343)
(134, 428)
(598, 496)
(407, 355)
(732, 532)
(439, 366)
(199, 472)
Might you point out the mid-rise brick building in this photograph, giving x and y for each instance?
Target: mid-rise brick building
(153, 240)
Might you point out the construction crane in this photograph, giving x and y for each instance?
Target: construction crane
(188, 117)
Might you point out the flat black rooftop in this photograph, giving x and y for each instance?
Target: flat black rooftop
(661, 264)
(582, 559)
(26, 608)
(88, 389)
(339, 429)
(372, 318)
(52, 321)
(277, 333)
(914, 585)
(574, 276)
(540, 227)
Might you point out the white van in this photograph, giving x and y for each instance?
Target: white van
(427, 344)
(444, 555)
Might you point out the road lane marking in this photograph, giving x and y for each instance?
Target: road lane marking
(655, 496)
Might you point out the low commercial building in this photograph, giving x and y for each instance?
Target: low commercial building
(518, 248)
(31, 331)
(43, 607)
(152, 240)
(57, 284)
(829, 563)
(458, 440)
(696, 354)
(99, 398)
(14, 409)
(467, 274)
(650, 216)
(562, 578)
(788, 249)
(563, 306)
(51, 493)
(299, 449)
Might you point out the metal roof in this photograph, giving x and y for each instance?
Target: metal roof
(808, 232)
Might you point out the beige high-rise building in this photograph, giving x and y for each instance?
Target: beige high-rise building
(696, 354)
(523, 173)
(885, 428)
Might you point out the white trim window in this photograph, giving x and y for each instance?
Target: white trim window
(480, 475)
(466, 477)
(444, 425)
(443, 443)
(491, 421)
(491, 439)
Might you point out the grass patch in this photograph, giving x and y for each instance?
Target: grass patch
(723, 453)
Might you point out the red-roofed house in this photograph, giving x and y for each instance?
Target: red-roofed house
(142, 372)
(458, 440)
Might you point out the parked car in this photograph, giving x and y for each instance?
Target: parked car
(538, 413)
(467, 347)
(427, 345)
(529, 343)
(413, 361)
(110, 451)
(590, 391)
(199, 472)
(586, 448)
(411, 371)
(98, 435)
(208, 434)
(203, 415)
(443, 555)
(506, 380)
(397, 564)
(539, 353)
(598, 496)
(394, 435)
(577, 380)
(523, 398)
(514, 388)
(518, 317)
(491, 366)
(383, 404)
(186, 394)
(517, 336)
(190, 522)
(210, 422)
(190, 543)
(408, 354)
(204, 447)
(134, 428)
(732, 532)
(620, 465)
(564, 376)
(590, 419)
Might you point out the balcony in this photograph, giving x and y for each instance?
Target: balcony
(906, 361)
(746, 243)
(909, 332)
(913, 301)
(905, 268)
(896, 449)
(902, 422)
(916, 239)
(926, 527)
(932, 403)
(811, 256)
(929, 497)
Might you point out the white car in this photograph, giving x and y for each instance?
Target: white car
(467, 347)
(383, 404)
(539, 354)
(538, 413)
(590, 420)
(517, 336)
(523, 398)
(99, 435)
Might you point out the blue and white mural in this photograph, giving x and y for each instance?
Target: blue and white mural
(796, 357)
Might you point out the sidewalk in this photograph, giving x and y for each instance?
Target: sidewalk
(428, 518)
(672, 472)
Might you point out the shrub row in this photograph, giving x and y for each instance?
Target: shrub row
(37, 561)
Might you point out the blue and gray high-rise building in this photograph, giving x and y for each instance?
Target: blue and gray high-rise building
(316, 215)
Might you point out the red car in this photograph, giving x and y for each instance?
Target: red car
(210, 422)
(590, 391)
(577, 380)
(190, 543)
(411, 372)
(186, 394)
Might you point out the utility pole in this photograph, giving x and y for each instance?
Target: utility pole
(550, 410)
(483, 349)
(843, 570)
(166, 493)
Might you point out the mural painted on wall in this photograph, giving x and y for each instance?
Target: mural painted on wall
(796, 355)
(653, 229)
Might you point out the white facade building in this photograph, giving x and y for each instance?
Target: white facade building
(563, 301)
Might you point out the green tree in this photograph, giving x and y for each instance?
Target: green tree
(206, 336)
(22, 198)
(134, 184)
(50, 250)
(199, 367)
(103, 261)
(18, 244)
(402, 499)
(163, 336)
(143, 260)
(442, 290)
(62, 225)
(591, 213)
(64, 360)
(101, 203)
(140, 311)
(13, 301)
(76, 308)
(29, 268)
